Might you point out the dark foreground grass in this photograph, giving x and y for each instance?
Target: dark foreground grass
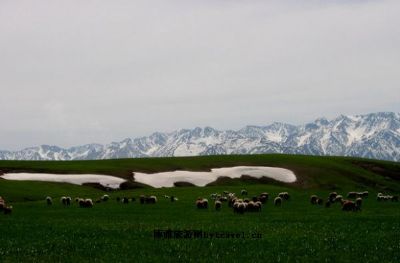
(115, 232)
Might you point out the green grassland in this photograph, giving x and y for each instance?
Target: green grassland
(116, 232)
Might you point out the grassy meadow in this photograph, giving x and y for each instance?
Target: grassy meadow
(116, 232)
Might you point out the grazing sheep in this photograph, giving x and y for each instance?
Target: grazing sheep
(49, 200)
(202, 203)
(364, 194)
(239, 207)
(68, 200)
(313, 199)
(278, 201)
(388, 197)
(63, 200)
(223, 199)
(85, 203)
(338, 199)
(231, 201)
(348, 205)
(148, 199)
(151, 199)
(88, 202)
(226, 193)
(217, 205)
(235, 206)
(352, 195)
(284, 195)
(243, 192)
(320, 201)
(332, 196)
(358, 203)
(213, 196)
(142, 199)
(250, 206)
(382, 197)
(254, 206)
(125, 200)
(263, 197)
(81, 202)
(105, 198)
(258, 206)
(2, 203)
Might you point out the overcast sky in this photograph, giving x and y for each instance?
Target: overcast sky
(76, 72)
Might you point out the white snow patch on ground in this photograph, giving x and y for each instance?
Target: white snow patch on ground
(167, 179)
(105, 180)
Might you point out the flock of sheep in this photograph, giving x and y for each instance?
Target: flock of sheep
(88, 203)
(347, 205)
(254, 204)
(82, 202)
(382, 197)
(350, 205)
(239, 205)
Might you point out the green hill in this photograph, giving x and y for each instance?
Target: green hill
(311, 171)
(115, 232)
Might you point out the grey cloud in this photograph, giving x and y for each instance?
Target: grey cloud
(75, 72)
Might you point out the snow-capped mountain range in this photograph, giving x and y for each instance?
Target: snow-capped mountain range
(375, 135)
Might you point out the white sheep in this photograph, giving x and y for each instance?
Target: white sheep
(358, 203)
(218, 205)
(278, 201)
(68, 200)
(284, 195)
(86, 203)
(63, 200)
(239, 206)
(151, 199)
(202, 203)
(49, 200)
(105, 198)
(338, 199)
